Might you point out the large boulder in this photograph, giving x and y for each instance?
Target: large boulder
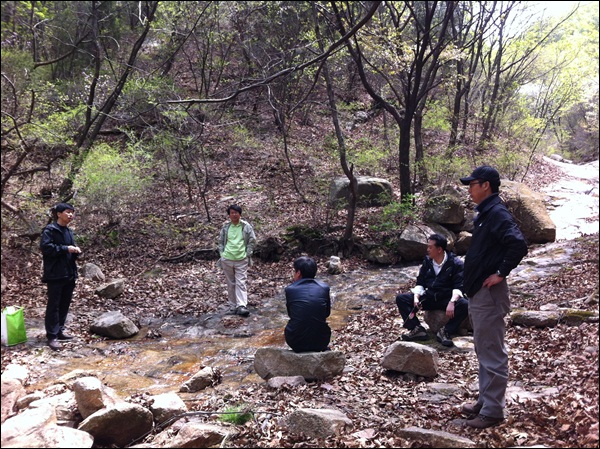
(530, 212)
(118, 425)
(275, 362)
(92, 395)
(412, 243)
(445, 206)
(372, 192)
(436, 319)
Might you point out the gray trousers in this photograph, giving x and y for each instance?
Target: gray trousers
(235, 274)
(487, 309)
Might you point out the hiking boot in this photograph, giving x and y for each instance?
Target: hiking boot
(54, 344)
(64, 337)
(417, 334)
(242, 311)
(471, 408)
(443, 337)
(483, 422)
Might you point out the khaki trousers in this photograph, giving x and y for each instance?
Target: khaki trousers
(236, 274)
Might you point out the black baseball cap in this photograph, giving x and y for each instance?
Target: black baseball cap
(483, 173)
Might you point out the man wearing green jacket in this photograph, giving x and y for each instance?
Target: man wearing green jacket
(236, 244)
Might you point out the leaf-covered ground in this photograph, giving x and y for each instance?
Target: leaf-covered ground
(561, 363)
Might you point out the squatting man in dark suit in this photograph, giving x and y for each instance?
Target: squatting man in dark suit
(439, 287)
(308, 305)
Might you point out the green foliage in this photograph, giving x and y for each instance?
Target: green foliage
(110, 180)
(437, 116)
(510, 161)
(243, 138)
(237, 414)
(302, 233)
(366, 154)
(112, 238)
(444, 169)
(395, 215)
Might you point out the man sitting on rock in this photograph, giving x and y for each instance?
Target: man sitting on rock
(439, 285)
(308, 306)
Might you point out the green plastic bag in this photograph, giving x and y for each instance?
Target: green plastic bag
(13, 326)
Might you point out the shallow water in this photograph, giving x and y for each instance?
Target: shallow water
(166, 353)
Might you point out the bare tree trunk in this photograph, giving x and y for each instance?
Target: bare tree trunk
(349, 171)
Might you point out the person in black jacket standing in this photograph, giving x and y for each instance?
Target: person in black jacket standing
(439, 285)
(497, 246)
(59, 253)
(308, 305)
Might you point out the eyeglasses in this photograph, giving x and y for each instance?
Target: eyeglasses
(472, 183)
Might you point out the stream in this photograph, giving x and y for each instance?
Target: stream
(167, 352)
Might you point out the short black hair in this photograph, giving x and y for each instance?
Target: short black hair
(234, 207)
(440, 240)
(306, 266)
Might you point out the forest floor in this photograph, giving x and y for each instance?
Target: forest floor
(563, 359)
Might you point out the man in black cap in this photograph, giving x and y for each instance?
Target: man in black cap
(59, 254)
(497, 246)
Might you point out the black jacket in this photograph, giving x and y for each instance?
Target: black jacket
(308, 306)
(497, 244)
(450, 277)
(59, 263)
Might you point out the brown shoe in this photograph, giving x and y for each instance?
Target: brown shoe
(471, 408)
(483, 422)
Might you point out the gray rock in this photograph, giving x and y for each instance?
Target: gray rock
(372, 192)
(274, 362)
(91, 395)
(412, 245)
(114, 324)
(445, 206)
(537, 318)
(12, 391)
(27, 423)
(434, 438)
(530, 212)
(166, 406)
(112, 289)
(204, 378)
(119, 425)
(92, 272)
(196, 434)
(280, 381)
(317, 423)
(436, 319)
(53, 436)
(409, 357)
(334, 265)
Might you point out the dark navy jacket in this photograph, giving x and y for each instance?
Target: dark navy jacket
(59, 263)
(497, 244)
(308, 305)
(439, 288)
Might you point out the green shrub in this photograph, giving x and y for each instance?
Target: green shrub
(395, 215)
(368, 156)
(238, 414)
(110, 180)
